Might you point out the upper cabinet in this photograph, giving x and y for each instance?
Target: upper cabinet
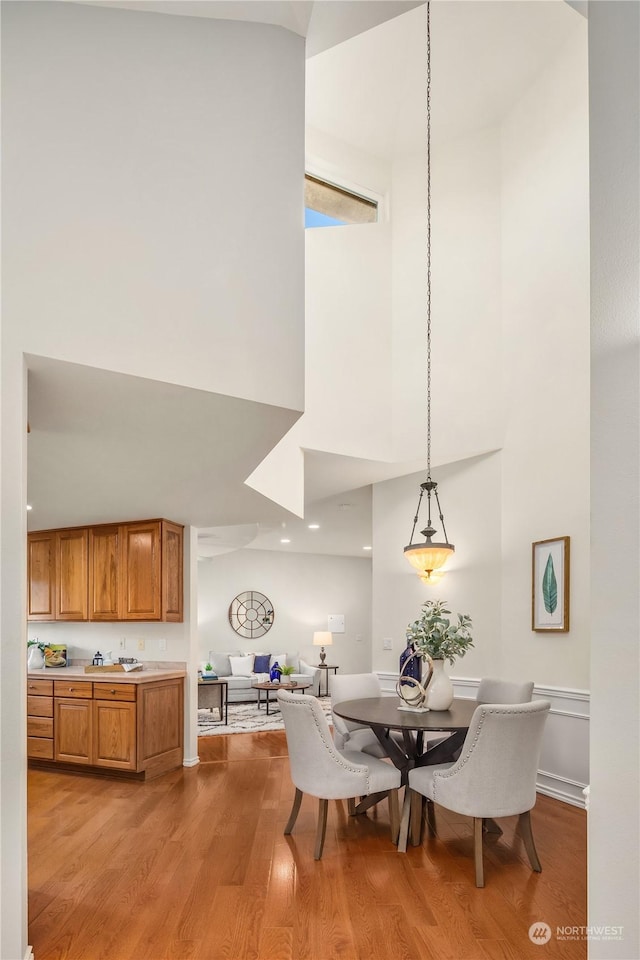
(126, 571)
(41, 586)
(72, 566)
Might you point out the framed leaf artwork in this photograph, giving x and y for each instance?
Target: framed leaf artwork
(550, 585)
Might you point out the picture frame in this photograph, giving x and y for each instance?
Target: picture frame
(550, 568)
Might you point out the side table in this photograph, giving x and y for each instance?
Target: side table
(326, 667)
(214, 693)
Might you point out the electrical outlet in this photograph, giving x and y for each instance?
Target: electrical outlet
(387, 643)
(359, 638)
(162, 645)
(123, 643)
(141, 644)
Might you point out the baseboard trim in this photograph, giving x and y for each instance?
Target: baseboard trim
(29, 955)
(561, 788)
(191, 761)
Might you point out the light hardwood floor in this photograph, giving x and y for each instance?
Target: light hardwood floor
(195, 865)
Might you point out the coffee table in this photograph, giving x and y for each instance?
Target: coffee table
(267, 686)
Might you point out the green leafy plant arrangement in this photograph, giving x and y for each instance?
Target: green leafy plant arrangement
(36, 643)
(434, 634)
(287, 671)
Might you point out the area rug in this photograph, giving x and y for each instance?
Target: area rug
(246, 718)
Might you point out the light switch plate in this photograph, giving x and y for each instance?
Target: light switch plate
(387, 643)
(335, 623)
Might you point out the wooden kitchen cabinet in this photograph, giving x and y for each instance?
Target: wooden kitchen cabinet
(126, 571)
(107, 725)
(105, 588)
(41, 583)
(72, 567)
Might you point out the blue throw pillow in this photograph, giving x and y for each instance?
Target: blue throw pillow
(261, 663)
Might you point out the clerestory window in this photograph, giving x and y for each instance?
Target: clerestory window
(327, 205)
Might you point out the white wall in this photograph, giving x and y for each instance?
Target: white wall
(465, 302)
(304, 589)
(614, 836)
(154, 165)
(545, 319)
(152, 189)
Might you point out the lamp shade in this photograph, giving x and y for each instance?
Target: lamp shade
(322, 638)
(428, 556)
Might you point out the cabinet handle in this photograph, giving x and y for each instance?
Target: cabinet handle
(31, 686)
(112, 691)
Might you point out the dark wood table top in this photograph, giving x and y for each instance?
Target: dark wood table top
(384, 712)
(268, 685)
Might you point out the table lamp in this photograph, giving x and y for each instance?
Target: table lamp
(322, 639)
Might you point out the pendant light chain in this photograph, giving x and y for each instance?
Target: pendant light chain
(428, 241)
(429, 557)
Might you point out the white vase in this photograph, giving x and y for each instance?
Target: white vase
(35, 658)
(440, 689)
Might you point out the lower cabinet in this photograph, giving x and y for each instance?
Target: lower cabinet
(127, 727)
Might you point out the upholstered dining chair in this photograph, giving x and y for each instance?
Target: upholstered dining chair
(504, 691)
(321, 770)
(347, 734)
(494, 776)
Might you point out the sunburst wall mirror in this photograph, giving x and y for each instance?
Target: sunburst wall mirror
(251, 614)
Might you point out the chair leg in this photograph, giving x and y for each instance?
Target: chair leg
(477, 850)
(394, 814)
(295, 810)
(524, 822)
(321, 829)
(351, 806)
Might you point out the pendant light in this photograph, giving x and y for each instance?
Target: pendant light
(428, 557)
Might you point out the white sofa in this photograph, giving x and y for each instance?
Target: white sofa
(239, 672)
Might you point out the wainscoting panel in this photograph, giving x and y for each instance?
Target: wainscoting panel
(564, 761)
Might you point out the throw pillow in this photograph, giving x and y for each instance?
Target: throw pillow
(220, 663)
(280, 659)
(261, 663)
(241, 666)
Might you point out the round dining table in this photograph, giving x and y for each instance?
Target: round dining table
(406, 735)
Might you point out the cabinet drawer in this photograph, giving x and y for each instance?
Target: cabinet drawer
(73, 688)
(40, 748)
(114, 691)
(40, 726)
(40, 688)
(40, 706)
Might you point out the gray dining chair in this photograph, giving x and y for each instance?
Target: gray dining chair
(347, 734)
(494, 776)
(321, 770)
(491, 690)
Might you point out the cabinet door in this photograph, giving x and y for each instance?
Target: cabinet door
(73, 730)
(72, 564)
(114, 734)
(105, 593)
(172, 572)
(141, 571)
(41, 570)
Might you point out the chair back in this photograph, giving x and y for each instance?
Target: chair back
(352, 686)
(504, 691)
(316, 766)
(495, 775)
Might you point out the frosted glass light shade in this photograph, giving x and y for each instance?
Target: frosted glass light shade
(424, 557)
